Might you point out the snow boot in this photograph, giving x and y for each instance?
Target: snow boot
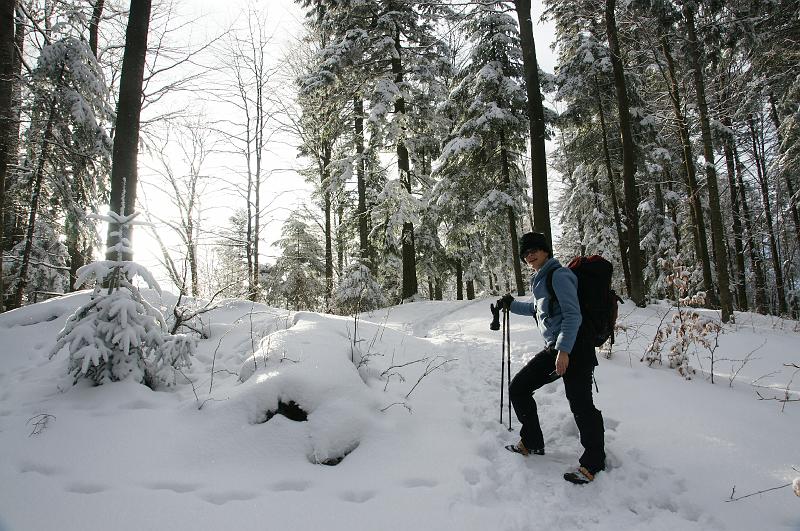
(520, 448)
(580, 477)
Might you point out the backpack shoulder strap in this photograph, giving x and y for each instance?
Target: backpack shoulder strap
(551, 292)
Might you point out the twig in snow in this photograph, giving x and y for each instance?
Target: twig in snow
(404, 404)
(733, 491)
(429, 369)
(40, 423)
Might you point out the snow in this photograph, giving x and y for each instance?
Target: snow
(201, 456)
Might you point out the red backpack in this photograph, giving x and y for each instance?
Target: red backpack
(599, 303)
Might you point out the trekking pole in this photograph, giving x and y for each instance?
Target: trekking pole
(507, 323)
(503, 367)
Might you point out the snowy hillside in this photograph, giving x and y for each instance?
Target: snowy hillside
(402, 430)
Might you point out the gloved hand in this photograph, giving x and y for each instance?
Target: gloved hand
(505, 301)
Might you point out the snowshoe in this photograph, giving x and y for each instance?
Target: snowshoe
(520, 448)
(579, 477)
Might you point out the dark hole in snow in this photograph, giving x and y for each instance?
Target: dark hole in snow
(290, 410)
(333, 461)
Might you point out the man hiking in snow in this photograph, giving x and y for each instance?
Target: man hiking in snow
(568, 354)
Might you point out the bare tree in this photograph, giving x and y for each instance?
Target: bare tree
(184, 187)
(246, 86)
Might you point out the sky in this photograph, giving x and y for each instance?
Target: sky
(410, 401)
(284, 189)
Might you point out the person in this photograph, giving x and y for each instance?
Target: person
(568, 355)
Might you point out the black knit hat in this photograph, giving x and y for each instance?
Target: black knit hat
(533, 241)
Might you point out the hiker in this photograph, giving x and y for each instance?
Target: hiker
(569, 354)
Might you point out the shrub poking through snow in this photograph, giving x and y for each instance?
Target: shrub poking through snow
(687, 326)
(796, 486)
(118, 334)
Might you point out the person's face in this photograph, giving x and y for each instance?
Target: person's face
(536, 258)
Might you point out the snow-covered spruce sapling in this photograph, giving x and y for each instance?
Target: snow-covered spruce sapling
(118, 334)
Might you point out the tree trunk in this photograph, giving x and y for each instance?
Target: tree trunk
(38, 177)
(541, 203)
(628, 158)
(759, 292)
(124, 171)
(696, 207)
(327, 205)
(787, 175)
(361, 209)
(408, 252)
(717, 237)
(7, 114)
(512, 219)
(470, 290)
(738, 236)
(621, 236)
(773, 242)
(94, 25)
(459, 281)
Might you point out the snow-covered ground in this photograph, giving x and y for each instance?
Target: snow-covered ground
(201, 456)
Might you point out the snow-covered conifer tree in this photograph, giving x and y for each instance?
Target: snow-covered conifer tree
(479, 165)
(357, 291)
(118, 334)
(297, 279)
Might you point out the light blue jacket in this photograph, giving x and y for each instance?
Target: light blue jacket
(560, 329)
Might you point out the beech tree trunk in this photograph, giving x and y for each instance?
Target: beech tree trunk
(628, 158)
(541, 202)
(124, 171)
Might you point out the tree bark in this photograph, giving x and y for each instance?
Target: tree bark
(717, 237)
(327, 206)
(38, 177)
(696, 207)
(408, 252)
(512, 219)
(787, 175)
(94, 25)
(459, 281)
(738, 236)
(124, 171)
(7, 114)
(621, 236)
(773, 242)
(361, 183)
(759, 292)
(541, 203)
(628, 158)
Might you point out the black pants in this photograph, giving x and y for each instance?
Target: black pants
(578, 386)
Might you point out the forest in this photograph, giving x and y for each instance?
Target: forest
(666, 139)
